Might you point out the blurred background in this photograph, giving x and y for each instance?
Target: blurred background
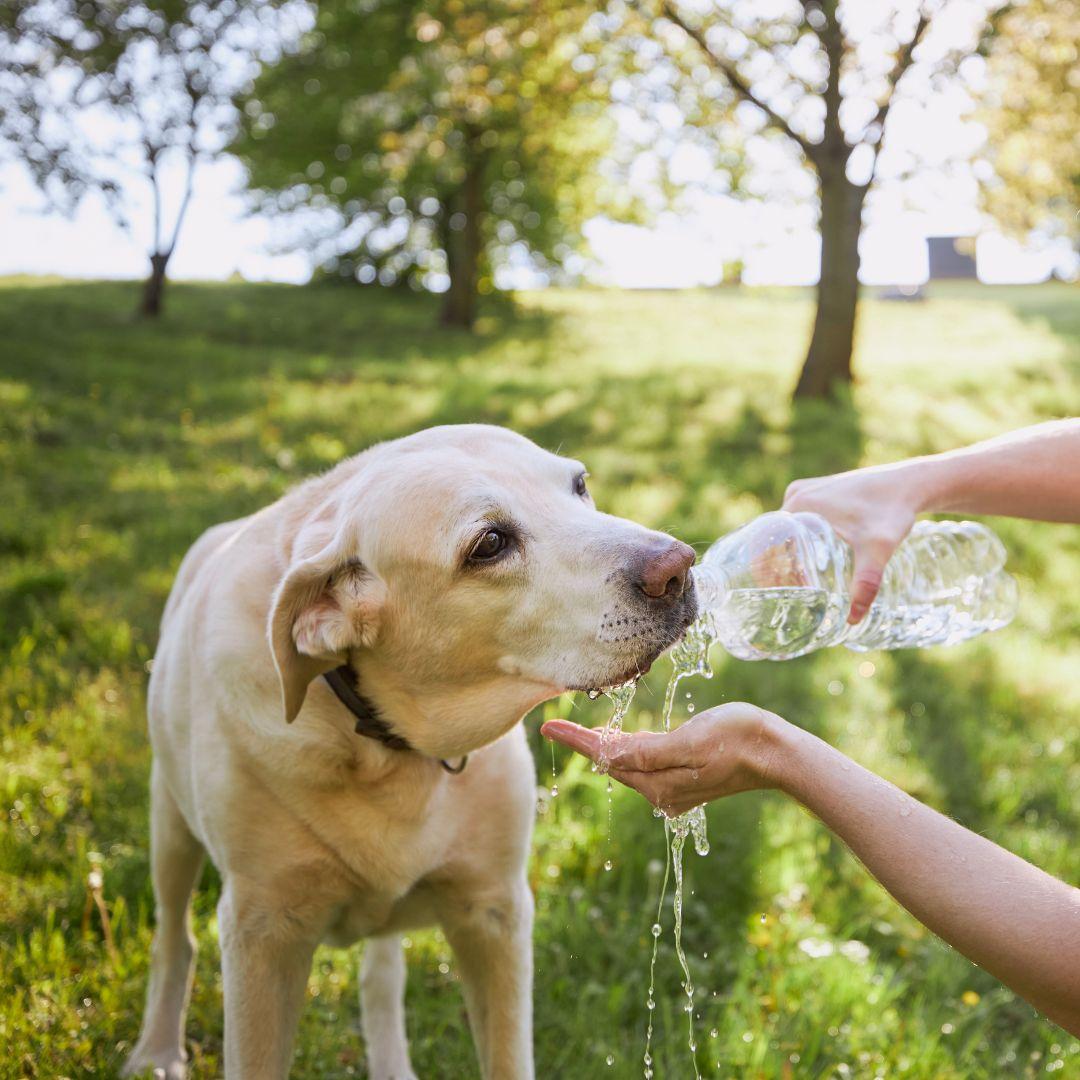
(708, 247)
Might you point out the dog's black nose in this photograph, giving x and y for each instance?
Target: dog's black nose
(662, 572)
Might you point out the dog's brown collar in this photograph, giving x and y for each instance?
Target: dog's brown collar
(342, 680)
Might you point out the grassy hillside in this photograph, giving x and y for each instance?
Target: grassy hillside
(121, 441)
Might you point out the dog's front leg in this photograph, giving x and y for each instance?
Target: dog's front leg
(266, 953)
(491, 935)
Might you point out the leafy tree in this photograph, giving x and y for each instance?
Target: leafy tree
(1031, 109)
(821, 75)
(95, 91)
(426, 140)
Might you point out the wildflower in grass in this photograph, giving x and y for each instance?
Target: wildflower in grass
(855, 950)
(816, 948)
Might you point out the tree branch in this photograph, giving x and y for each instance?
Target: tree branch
(152, 157)
(735, 80)
(189, 184)
(195, 98)
(903, 61)
(832, 39)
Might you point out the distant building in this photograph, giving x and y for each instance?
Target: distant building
(951, 258)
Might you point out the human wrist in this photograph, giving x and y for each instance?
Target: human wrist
(929, 485)
(771, 751)
(916, 484)
(791, 760)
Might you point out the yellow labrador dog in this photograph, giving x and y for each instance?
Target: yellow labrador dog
(326, 666)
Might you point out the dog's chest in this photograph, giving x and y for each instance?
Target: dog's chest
(367, 913)
(382, 857)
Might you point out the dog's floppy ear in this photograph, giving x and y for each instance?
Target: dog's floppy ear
(323, 606)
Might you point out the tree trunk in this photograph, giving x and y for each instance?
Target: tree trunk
(828, 360)
(154, 288)
(464, 248)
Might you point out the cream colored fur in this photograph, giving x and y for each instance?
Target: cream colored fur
(323, 835)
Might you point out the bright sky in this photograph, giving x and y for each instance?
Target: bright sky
(775, 239)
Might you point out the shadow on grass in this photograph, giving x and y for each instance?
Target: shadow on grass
(826, 437)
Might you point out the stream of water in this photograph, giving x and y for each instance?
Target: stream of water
(689, 657)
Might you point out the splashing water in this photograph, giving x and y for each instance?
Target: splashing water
(621, 698)
(689, 657)
(650, 1000)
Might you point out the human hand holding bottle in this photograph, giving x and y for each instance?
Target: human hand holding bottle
(1032, 473)
(873, 509)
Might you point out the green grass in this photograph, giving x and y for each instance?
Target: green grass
(121, 441)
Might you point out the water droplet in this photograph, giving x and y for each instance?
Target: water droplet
(689, 708)
(763, 916)
(592, 694)
(607, 864)
(610, 1059)
(655, 929)
(714, 1033)
(554, 790)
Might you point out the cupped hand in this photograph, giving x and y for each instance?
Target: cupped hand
(719, 752)
(873, 509)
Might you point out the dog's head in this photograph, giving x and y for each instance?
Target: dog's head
(467, 576)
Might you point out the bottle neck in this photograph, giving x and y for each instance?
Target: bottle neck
(711, 585)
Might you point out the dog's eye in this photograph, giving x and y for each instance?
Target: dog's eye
(490, 545)
(580, 488)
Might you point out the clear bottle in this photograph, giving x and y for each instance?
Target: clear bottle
(780, 587)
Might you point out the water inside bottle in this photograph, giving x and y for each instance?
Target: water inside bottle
(776, 622)
(779, 587)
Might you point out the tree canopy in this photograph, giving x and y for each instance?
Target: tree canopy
(94, 91)
(1031, 109)
(435, 141)
(821, 75)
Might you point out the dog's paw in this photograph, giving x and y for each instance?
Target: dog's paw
(165, 1065)
(391, 1070)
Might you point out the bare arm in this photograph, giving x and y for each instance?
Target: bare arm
(1019, 923)
(1032, 473)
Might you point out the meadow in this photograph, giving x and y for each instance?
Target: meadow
(120, 441)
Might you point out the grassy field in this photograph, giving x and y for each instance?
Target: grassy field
(121, 441)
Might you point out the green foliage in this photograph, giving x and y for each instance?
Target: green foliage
(93, 91)
(120, 442)
(101, 96)
(377, 120)
(1031, 109)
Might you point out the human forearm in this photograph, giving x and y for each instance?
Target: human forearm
(1033, 473)
(1006, 915)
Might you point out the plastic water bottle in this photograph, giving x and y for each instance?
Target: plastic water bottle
(780, 587)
